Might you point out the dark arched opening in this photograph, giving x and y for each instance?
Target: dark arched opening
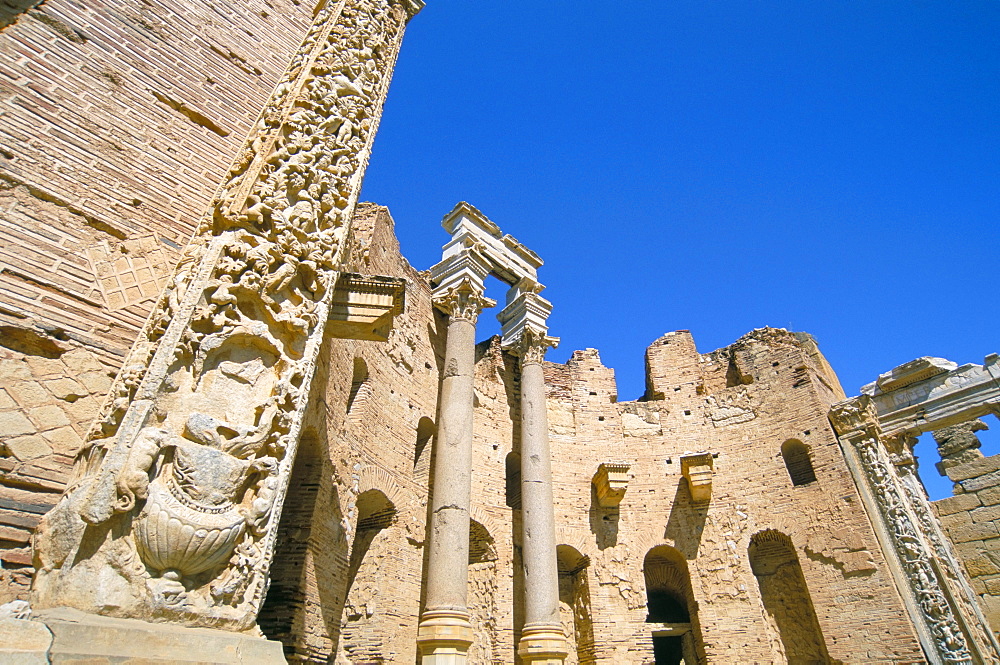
(670, 604)
(798, 462)
(574, 604)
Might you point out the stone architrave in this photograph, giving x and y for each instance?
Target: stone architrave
(948, 622)
(173, 511)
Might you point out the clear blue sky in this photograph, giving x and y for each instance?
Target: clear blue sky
(831, 167)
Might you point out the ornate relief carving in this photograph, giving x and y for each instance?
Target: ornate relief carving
(177, 491)
(531, 346)
(912, 550)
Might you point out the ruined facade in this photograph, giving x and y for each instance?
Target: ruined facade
(230, 410)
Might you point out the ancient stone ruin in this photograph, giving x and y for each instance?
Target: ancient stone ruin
(236, 426)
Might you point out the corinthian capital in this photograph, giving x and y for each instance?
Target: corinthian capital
(856, 416)
(463, 302)
(531, 346)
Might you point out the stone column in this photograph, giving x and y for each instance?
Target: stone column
(445, 633)
(542, 639)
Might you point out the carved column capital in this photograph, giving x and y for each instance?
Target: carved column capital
(532, 345)
(856, 418)
(463, 302)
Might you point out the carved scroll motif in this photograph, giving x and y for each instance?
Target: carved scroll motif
(173, 510)
(912, 552)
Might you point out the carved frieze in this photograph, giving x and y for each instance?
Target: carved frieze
(173, 511)
(913, 553)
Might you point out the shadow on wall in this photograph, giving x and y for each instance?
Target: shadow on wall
(603, 521)
(10, 10)
(786, 598)
(686, 522)
(282, 616)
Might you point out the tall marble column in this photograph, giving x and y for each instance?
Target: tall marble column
(543, 640)
(445, 633)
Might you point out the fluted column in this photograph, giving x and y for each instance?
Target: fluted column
(543, 640)
(445, 632)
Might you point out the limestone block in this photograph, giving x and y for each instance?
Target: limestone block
(28, 447)
(974, 469)
(24, 642)
(970, 532)
(987, 514)
(13, 423)
(29, 394)
(48, 417)
(955, 504)
(78, 637)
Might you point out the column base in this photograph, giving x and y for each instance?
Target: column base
(543, 644)
(444, 637)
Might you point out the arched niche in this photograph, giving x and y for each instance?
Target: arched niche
(360, 391)
(366, 621)
(798, 462)
(512, 480)
(787, 603)
(426, 429)
(574, 604)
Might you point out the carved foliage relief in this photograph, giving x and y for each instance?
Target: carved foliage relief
(173, 509)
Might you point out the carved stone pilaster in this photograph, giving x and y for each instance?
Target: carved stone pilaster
(912, 557)
(179, 487)
(463, 302)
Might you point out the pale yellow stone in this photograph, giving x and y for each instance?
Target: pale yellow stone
(79, 361)
(29, 394)
(48, 417)
(13, 423)
(95, 382)
(28, 447)
(65, 388)
(64, 440)
(13, 370)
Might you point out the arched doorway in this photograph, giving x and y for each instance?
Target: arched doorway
(671, 608)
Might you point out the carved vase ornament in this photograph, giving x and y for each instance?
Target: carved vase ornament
(173, 510)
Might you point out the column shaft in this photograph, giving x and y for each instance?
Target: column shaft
(447, 572)
(543, 639)
(445, 633)
(541, 581)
